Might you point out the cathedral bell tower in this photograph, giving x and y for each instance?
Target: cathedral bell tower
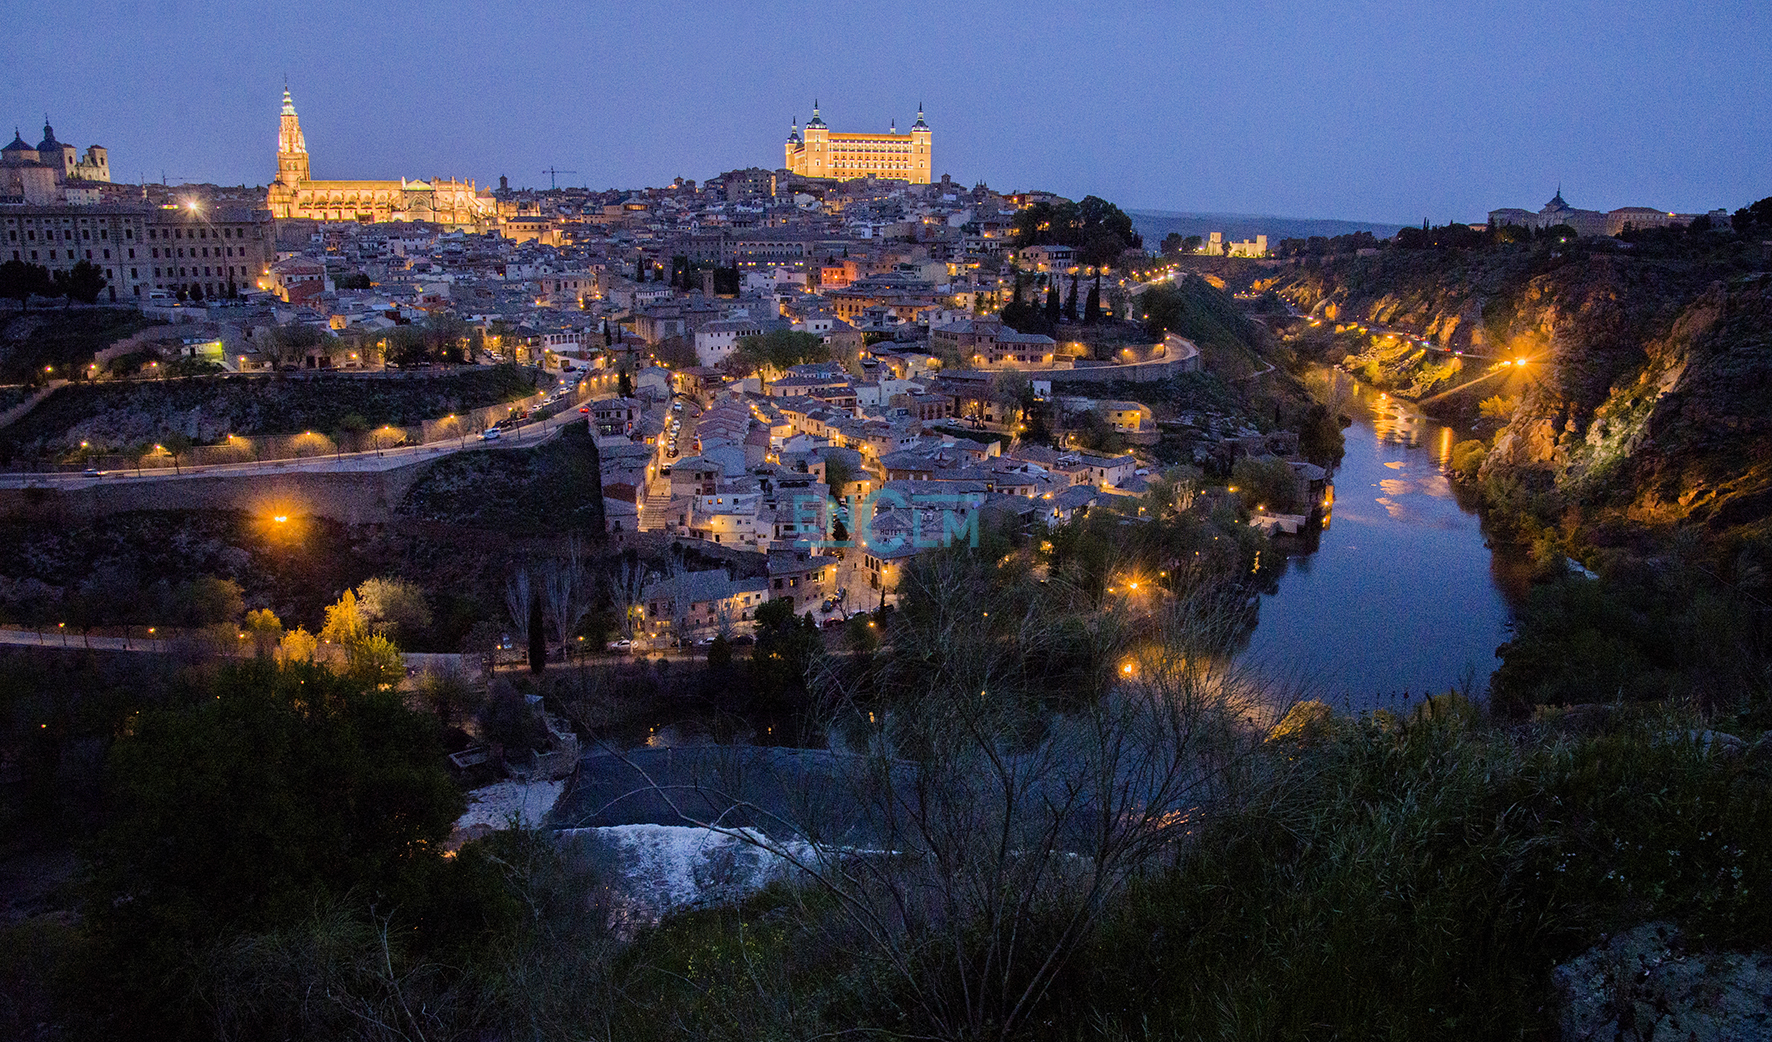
(292, 148)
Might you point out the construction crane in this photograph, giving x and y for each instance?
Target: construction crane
(553, 176)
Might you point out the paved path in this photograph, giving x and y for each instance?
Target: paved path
(58, 637)
(524, 437)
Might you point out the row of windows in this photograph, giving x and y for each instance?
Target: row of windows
(194, 250)
(67, 236)
(197, 233)
(231, 273)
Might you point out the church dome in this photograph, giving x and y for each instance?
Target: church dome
(49, 142)
(18, 143)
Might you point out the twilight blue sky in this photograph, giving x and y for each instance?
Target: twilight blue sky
(1368, 109)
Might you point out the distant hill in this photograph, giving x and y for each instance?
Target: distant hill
(1155, 224)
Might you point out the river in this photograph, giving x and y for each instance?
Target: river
(1399, 596)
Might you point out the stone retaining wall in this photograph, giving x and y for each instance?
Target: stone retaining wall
(352, 497)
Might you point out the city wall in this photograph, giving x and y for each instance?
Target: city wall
(1134, 372)
(352, 497)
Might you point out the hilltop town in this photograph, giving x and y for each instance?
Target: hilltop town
(737, 348)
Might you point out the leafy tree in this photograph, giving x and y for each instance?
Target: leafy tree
(776, 350)
(624, 384)
(508, 721)
(393, 605)
(196, 293)
(1025, 318)
(1092, 431)
(720, 654)
(1756, 217)
(1266, 483)
(226, 786)
(1467, 458)
(675, 351)
(375, 662)
(1320, 439)
(298, 645)
(345, 624)
(786, 649)
(1498, 407)
(208, 601)
(83, 282)
(177, 446)
(837, 475)
(19, 280)
(266, 631)
(1173, 244)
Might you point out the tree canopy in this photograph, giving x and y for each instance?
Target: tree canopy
(774, 352)
(272, 789)
(1096, 228)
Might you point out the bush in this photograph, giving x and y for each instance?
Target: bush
(1467, 459)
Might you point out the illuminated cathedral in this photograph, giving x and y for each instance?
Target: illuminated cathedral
(296, 195)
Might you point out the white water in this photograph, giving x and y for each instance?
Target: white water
(659, 869)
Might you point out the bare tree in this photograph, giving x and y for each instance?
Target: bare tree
(517, 597)
(565, 591)
(974, 842)
(627, 591)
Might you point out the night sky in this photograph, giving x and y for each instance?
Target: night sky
(1384, 111)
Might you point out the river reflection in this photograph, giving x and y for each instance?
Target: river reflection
(1399, 596)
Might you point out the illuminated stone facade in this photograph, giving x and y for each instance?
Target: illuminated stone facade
(820, 153)
(145, 252)
(295, 195)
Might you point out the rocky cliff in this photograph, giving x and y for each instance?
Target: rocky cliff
(1645, 398)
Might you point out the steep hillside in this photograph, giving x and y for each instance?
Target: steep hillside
(1643, 402)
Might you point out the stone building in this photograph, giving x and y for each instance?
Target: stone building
(145, 250)
(41, 175)
(296, 195)
(821, 153)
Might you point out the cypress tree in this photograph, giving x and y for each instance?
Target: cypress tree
(538, 636)
(640, 268)
(1052, 302)
(597, 522)
(1092, 307)
(1070, 301)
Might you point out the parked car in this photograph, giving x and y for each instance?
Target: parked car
(621, 645)
(490, 434)
(585, 409)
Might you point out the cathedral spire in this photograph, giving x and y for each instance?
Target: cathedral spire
(292, 146)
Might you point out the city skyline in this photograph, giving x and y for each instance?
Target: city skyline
(1374, 114)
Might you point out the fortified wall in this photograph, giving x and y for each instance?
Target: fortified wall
(353, 497)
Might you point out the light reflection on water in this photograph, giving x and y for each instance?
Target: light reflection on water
(1400, 596)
